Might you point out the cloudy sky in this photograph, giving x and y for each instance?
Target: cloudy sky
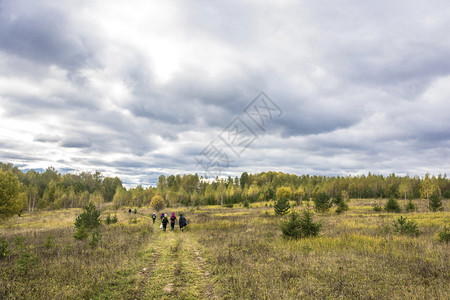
(136, 89)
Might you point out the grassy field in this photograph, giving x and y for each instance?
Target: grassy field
(227, 253)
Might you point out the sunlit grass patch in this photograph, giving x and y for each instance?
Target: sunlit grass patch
(430, 219)
(359, 224)
(360, 208)
(238, 213)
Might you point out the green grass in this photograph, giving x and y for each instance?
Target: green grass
(228, 253)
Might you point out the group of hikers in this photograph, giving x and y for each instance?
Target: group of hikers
(165, 220)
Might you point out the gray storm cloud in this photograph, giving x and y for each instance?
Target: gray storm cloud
(139, 90)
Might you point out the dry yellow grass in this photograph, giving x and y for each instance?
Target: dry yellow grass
(229, 253)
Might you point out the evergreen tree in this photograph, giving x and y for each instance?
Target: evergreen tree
(81, 233)
(90, 218)
(404, 226)
(341, 205)
(443, 236)
(282, 205)
(392, 205)
(300, 226)
(435, 203)
(410, 206)
(322, 202)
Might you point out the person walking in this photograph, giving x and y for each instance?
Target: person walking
(182, 222)
(154, 218)
(165, 220)
(173, 218)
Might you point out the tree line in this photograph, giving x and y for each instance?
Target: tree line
(52, 190)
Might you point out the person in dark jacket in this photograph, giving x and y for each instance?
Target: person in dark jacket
(182, 222)
(173, 218)
(165, 220)
(154, 218)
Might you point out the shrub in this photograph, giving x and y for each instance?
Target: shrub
(81, 233)
(404, 226)
(157, 202)
(392, 205)
(444, 236)
(19, 242)
(322, 202)
(377, 208)
(338, 199)
(26, 261)
(300, 226)
(410, 206)
(245, 204)
(90, 218)
(96, 238)
(3, 247)
(133, 220)
(114, 219)
(49, 242)
(436, 203)
(229, 205)
(446, 194)
(341, 205)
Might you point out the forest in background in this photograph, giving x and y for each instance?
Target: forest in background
(54, 190)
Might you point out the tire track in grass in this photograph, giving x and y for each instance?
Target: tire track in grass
(179, 272)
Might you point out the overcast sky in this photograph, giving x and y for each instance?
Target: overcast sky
(136, 89)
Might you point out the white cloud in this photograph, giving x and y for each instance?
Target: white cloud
(139, 88)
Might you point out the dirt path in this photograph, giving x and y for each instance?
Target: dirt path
(177, 269)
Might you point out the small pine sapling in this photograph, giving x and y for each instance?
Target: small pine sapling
(300, 226)
(96, 238)
(436, 203)
(322, 202)
(49, 243)
(404, 226)
(90, 218)
(377, 208)
(114, 219)
(3, 247)
(410, 206)
(392, 205)
(108, 219)
(341, 205)
(444, 235)
(81, 233)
